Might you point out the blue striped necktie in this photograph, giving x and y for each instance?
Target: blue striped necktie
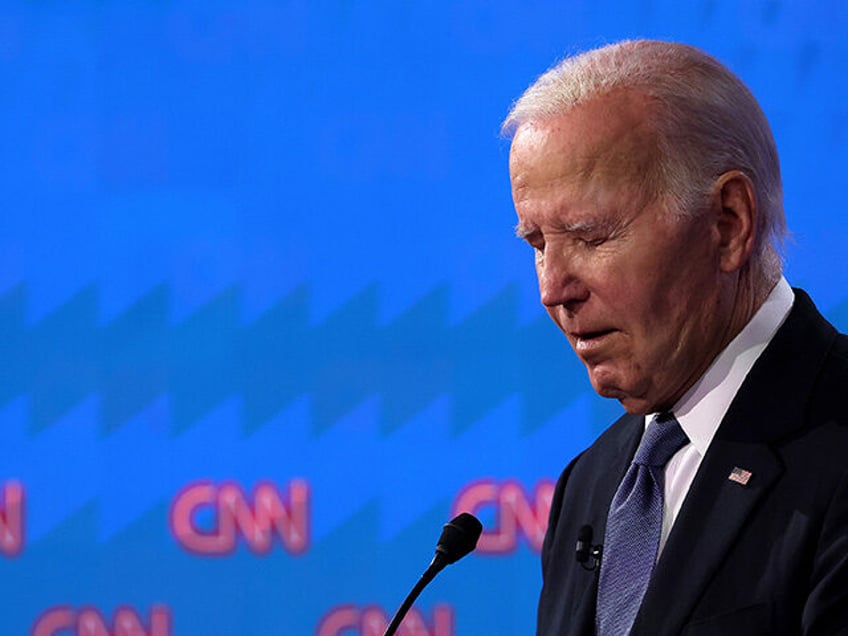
(633, 528)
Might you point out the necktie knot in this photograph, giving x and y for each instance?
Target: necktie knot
(662, 439)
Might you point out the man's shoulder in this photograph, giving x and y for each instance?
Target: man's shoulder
(831, 374)
(828, 400)
(839, 353)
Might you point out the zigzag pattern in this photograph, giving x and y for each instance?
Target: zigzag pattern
(128, 412)
(143, 465)
(140, 356)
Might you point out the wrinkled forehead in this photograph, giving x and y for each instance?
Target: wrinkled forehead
(612, 138)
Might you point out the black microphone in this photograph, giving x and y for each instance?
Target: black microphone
(584, 544)
(459, 537)
(585, 549)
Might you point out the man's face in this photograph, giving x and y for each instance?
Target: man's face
(637, 292)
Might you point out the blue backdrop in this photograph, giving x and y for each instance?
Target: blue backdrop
(264, 326)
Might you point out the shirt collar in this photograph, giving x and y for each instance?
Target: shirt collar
(704, 405)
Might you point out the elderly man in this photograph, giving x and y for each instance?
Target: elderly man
(646, 180)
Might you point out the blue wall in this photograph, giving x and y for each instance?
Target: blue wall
(258, 256)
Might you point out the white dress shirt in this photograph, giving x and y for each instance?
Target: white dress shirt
(704, 405)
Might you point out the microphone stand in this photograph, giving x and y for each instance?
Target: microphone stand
(459, 537)
(436, 565)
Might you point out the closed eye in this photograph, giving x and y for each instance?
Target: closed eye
(533, 237)
(593, 242)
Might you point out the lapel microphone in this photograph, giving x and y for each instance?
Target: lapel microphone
(459, 537)
(586, 551)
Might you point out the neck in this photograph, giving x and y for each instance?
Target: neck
(752, 288)
(743, 296)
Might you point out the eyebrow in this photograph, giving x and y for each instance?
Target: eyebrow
(522, 231)
(577, 227)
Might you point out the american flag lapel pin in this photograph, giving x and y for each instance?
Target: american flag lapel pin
(740, 475)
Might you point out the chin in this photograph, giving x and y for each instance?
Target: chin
(606, 384)
(635, 405)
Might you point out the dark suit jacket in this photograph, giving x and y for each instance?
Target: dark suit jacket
(769, 557)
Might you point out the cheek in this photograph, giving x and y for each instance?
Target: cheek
(665, 337)
(634, 301)
(650, 323)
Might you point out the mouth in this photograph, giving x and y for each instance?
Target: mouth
(586, 340)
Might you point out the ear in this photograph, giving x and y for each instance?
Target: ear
(736, 221)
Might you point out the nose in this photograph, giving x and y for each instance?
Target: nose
(559, 281)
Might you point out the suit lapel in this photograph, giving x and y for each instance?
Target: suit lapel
(770, 405)
(616, 456)
(695, 547)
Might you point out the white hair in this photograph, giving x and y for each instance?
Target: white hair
(707, 120)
